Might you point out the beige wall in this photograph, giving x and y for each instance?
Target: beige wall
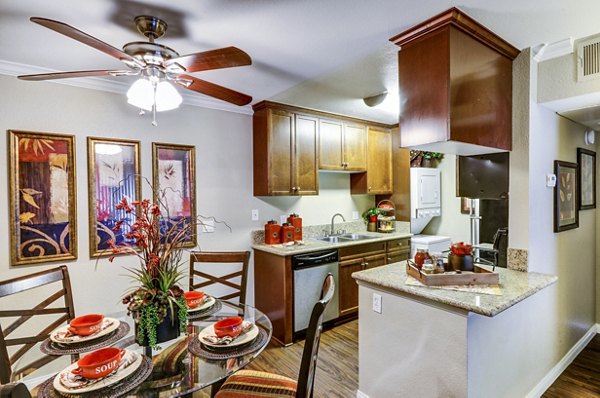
(223, 143)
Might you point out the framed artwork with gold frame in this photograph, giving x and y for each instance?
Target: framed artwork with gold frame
(174, 181)
(113, 173)
(43, 207)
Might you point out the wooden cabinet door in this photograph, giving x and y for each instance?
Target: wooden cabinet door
(348, 287)
(331, 134)
(397, 256)
(281, 133)
(379, 161)
(305, 156)
(376, 260)
(355, 147)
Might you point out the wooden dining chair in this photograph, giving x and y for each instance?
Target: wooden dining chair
(240, 258)
(14, 390)
(59, 275)
(249, 383)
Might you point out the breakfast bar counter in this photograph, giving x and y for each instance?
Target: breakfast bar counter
(419, 341)
(515, 286)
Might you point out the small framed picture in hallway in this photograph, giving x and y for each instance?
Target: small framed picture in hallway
(586, 163)
(566, 212)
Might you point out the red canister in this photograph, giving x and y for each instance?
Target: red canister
(296, 222)
(272, 233)
(287, 233)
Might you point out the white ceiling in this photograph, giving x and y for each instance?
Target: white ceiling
(325, 54)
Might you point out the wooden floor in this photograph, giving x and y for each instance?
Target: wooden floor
(582, 378)
(337, 367)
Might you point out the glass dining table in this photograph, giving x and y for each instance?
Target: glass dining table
(176, 371)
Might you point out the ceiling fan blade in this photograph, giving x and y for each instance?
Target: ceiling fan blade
(215, 59)
(84, 38)
(79, 73)
(213, 90)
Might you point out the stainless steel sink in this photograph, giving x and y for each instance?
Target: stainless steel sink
(344, 238)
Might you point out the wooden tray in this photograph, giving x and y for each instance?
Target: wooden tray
(479, 276)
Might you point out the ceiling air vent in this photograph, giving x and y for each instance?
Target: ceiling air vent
(588, 59)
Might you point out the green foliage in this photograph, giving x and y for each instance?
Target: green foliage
(373, 211)
(433, 155)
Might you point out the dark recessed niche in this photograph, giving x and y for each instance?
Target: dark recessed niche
(483, 176)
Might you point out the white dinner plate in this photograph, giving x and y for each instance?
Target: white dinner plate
(109, 380)
(241, 339)
(210, 301)
(80, 339)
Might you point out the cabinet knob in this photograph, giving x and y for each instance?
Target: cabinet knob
(297, 188)
(389, 259)
(370, 188)
(293, 188)
(366, 264)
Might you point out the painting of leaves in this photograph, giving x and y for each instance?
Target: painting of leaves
(586, 161)
(173, 174)
(42, 197)
(113, 172)
(566, 213)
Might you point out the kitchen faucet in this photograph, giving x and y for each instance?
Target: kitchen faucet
(332, 220)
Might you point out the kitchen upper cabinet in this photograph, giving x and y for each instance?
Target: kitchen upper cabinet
(342, 145)
(455, 77)
(285, 153)
(378, 178)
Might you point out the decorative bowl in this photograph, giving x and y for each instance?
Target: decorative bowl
(228, 327)
(99, 363)
(86, 324)
(194, 299)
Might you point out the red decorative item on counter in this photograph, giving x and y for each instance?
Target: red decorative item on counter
(272, 233)
(296, 222)
(461, 249)
(420, 257)
(287, 233)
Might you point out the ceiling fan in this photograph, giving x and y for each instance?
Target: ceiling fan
(154, 62)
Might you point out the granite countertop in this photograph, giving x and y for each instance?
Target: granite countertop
(515, 285)
(312, 245)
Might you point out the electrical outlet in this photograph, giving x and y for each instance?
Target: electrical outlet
(254, 214)
(377, 303)
(282, 219)
(550, 180)
(355, 215)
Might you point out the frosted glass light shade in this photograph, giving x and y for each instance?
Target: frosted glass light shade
(141, 94)
(167, 97)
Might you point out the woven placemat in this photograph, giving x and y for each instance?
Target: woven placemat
(195, 315)
(50, 347)
(201, 350)
(119, 389)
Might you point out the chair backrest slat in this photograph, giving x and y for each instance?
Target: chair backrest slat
(31, 281)
(21, 284)
(308, 365)
(242, 258)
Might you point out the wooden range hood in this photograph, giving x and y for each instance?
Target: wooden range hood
(455, 86)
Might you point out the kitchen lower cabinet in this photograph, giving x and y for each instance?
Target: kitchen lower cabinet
(353, 259)
(397, 250)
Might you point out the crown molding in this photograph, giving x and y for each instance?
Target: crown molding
(115, 86)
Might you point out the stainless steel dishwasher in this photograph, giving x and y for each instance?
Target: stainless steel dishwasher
(309, 273)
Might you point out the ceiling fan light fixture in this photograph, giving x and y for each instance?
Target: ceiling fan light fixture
(375, 99)
(141, 94)
(167, 97)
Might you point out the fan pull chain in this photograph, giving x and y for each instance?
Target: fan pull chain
(154, 106)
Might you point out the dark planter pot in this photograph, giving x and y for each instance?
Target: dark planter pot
(460, 263)
(165, 331)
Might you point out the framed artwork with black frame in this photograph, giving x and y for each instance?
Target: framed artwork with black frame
(566, 212)
(586, 167)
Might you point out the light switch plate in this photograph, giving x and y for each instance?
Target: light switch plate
(550, 180)
(254, 214)
(207, 226)
(377, 303)
(355, 215)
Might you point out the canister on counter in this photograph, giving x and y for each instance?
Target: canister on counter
(272, 233)
(287, 233)
(296, 222)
